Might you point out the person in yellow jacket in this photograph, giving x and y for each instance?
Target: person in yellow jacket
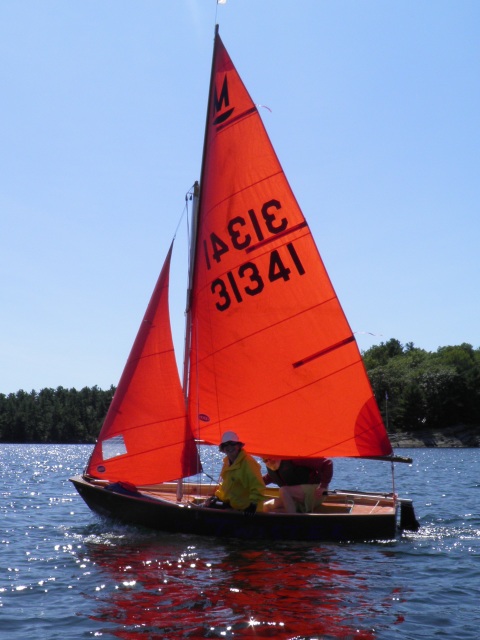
(242, 487)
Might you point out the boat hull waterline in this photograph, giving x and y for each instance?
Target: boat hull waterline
(345, 516)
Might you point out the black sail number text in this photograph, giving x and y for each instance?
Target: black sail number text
(243, 231)
(248, 281)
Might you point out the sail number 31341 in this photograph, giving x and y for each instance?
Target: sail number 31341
(246, 280)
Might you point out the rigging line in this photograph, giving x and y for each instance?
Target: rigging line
(386, 427)
(393, 478)
(197, 399)
(217, 2)
(189, 238)
(188, 197)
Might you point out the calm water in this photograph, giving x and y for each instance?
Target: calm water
(66, 573)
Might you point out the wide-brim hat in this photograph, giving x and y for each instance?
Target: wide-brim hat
(230, 437)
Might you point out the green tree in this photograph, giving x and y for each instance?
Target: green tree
(53, 415)
(425, 390)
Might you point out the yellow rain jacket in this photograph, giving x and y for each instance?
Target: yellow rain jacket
(242, 482)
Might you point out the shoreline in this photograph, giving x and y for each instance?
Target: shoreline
(457, 437)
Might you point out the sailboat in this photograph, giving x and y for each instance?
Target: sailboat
(269, 355)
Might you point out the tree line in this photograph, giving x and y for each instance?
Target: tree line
(421, 390)
(61, 416)
(415, 390)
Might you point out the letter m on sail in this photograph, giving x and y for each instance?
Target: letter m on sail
(221, 103)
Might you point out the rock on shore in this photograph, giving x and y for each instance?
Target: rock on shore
(457, 436)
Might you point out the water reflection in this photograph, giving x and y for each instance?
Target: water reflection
(161, 586)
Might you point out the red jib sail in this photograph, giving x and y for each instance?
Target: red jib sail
(145, 438)
(273, 357)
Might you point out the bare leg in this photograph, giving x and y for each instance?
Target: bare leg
(290, 496)
(273, 505)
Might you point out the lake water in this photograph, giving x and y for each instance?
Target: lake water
(65, 573)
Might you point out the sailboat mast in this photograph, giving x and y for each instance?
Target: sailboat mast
(188, 315)
(197, 207)
(197, 211)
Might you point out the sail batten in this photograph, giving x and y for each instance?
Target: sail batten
(278, 236)
(236, 118)
(324, 352)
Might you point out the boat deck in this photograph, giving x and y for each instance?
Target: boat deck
(337, 502)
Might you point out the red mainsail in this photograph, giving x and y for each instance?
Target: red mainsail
(272, 357)
(145, 438)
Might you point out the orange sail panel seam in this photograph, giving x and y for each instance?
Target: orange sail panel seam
(227, 346)
(236, 193)
(294, 391)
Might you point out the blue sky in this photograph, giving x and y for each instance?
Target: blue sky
(374, 113)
